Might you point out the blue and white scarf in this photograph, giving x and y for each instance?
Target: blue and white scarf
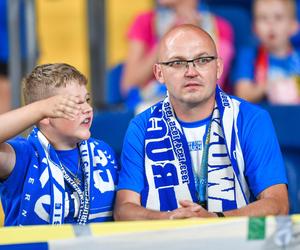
(168, 164)
(43, 198)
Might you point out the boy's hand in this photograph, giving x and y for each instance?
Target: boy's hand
(62, 106)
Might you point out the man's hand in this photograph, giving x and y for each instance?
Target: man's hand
(190, 209)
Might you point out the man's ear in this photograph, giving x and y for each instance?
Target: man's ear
(158, 73)
(220, 67)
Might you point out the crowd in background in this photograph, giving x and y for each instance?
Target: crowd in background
(257, 40)
(259, 49)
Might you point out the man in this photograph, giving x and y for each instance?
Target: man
(199, 152)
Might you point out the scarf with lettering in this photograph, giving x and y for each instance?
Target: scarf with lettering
(43, 198)
(168, 167)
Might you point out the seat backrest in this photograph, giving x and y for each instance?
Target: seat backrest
(113, 85)
(286, 120)
(111, 126)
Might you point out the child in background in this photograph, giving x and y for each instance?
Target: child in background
(58, 174)
(270, 71)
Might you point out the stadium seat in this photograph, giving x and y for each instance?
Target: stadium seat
(111, 126)
(113, 85)
(286, 123)
(240, 19)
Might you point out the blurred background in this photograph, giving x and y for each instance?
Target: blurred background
(93, 36)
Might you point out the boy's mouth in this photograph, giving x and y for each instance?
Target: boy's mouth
(86, 120)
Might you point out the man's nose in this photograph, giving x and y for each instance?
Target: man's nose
(191, 69)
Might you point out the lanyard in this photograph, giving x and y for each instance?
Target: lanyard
(83, 196)
(201, 180)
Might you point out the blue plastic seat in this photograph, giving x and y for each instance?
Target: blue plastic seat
(111, 126)
(113, 85)
(286, 120)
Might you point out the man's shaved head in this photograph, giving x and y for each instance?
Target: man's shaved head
(193, 85)
(181, 33)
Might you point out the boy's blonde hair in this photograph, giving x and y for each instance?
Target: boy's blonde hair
(43, 81)
(290, 3)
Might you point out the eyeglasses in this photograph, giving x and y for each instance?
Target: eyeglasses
(197, 62)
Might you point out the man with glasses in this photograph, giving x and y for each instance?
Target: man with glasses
(199, 152)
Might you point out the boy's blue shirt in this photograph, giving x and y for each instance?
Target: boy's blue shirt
(12, 188)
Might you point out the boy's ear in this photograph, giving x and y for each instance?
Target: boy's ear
(158, 73)
(45, 121)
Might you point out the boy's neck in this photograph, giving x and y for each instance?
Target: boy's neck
(59, 143)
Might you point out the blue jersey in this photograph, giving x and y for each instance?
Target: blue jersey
(261, 152)
(12, 188)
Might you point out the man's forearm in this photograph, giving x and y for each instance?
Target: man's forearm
(263, 207)
(131, 211)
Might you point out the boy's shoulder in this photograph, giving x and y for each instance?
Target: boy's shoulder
(19, 142)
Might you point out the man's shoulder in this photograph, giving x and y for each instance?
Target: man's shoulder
(248, 109)
(143, 117)
(138, 125)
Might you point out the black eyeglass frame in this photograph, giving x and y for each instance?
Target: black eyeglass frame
(189, 61)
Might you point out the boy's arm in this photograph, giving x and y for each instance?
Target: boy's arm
(14, 122)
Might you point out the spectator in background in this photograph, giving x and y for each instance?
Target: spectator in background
(271, 70)
(138, 84)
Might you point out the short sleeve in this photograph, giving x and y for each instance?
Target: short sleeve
(264, 165)
(23, 152)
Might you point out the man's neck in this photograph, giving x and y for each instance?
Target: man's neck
(192, 113)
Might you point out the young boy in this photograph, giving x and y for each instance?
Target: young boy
(58, 174)
(271, 70)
